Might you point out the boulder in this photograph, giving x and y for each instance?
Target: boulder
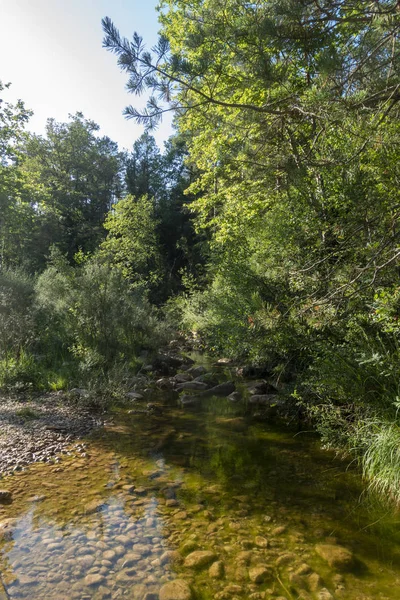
(197, 371)
(176, 590)
(223, 390)
(182, 377)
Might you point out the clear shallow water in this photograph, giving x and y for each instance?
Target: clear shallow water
(152, 489)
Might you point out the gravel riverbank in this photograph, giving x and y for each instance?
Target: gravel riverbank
(41, 430)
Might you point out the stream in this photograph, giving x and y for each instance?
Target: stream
(230, 506)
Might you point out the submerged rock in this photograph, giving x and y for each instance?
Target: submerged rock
(337, 557)
(259, 574)
(217, 570)
(94, 579)
(5, 497)
(6, 529)
(176, 590)
(200, 559)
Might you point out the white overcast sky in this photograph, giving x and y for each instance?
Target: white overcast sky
(51, 52)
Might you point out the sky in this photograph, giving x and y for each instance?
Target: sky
(51, 52)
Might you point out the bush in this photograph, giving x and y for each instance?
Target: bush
(16, 315)
(94, 314)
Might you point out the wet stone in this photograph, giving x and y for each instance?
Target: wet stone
(260, 574)
(278, 530)
(170, 556)
(5, 497)
(261, 542)
(217, 570)
(130, 559)
(86, 561)
(188, 547)
(324, 594)
(94, 579)
(337, 557)
(176, 590)
(285, 559)
(200, 559)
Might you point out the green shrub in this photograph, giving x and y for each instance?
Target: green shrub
(16, 315)
(94, 314)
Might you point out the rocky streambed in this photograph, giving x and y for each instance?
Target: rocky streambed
(199, 500)
(42, 429)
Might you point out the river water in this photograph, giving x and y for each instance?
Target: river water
(235, 507)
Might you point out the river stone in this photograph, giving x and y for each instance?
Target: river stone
(278, 530)
(86, 561)
(188, 547)
(259, 574)
(123, 539)
(285, 559)
(170, 556)
(337, 557)
(197, 371)
(314, 582)
(124, 576)
(94, 507)
(223, 389)
(261, 542)
(231, 589)
(176, 590)
(200, 559)
(324, 594)
(131, 559)
(6, 529)
(171, 502)
(244, 557)
(94, 579)
(5, 497)
(217, 570)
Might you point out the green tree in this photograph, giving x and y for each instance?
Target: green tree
(17, 214)
(144, 175)
(73, 177)
(132, 243)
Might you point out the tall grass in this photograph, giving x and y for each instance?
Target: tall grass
(379, 443)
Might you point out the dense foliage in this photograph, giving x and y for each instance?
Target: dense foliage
(290, 111)
(269, 224)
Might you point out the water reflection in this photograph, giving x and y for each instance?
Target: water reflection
(153, 490)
